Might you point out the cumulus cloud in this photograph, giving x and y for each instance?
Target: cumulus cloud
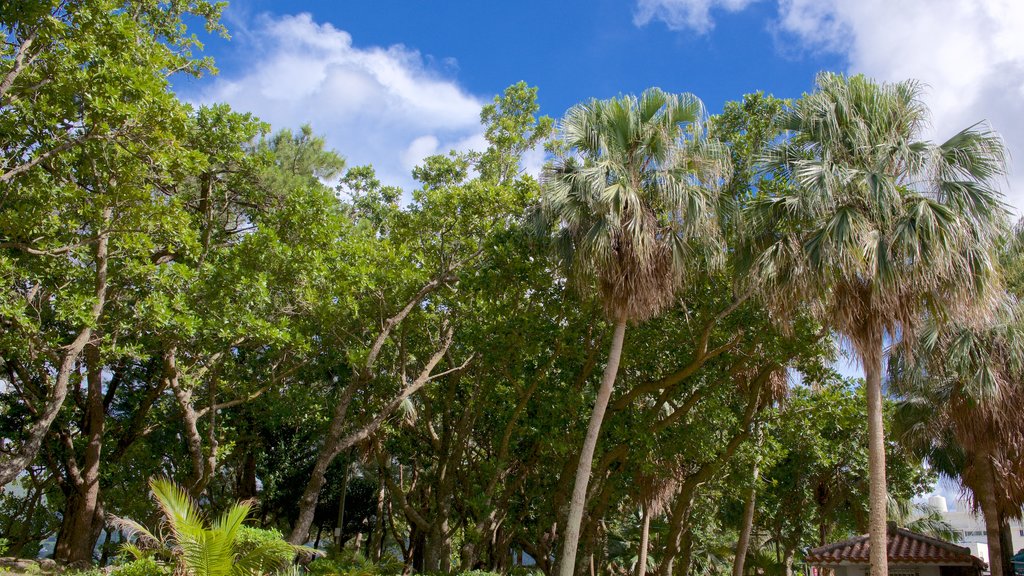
(375, 105)
(970, 54)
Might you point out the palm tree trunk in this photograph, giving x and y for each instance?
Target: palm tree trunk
(748, 524)
(567, 563)
(876, 456)
(990, 510)
(645, 532)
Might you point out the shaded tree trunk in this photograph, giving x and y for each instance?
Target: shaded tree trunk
(872, 361)
(83, 516)
(339, 525)
(1006, 539)
(748, 524)
(437, 548)
(379, 528)
(787, 560)
(686, 553)
(567, 562)
(990, 510)
(677, 529)
(246, 487)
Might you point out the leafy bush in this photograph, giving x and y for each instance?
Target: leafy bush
(350, 563)
(3, 546)
(251, 539)
(343, 567)
(525, 571)
(89, 572)
(142, 567)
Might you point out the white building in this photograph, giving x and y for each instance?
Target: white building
(971, 528)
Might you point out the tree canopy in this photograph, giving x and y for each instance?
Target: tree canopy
(440, 379)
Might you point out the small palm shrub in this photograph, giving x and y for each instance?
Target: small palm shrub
(198, 547)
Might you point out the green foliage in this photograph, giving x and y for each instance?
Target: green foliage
(350, 563)
(251, 540)
(816, 489)
(88, 572)
(632, 200)
(142, 567)
(512, 129)
(240, 285)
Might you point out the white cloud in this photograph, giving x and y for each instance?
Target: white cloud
(685, 14)
(380, 106)
(970, 54)
(419, 149)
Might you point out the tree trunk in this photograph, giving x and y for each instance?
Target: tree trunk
(83, 516)
(1006, 539)
(567, 563)
(748, 524)
(246, 486)
(436, 552)
(645, 532)
(677, 528)
(12, 466)
(379, 528)
(339, 525)
(876, 457)
(990, 510)
(686, 553)
(334, 443)
(787, 560)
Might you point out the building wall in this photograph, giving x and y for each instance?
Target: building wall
(972, 528)
(894, 570)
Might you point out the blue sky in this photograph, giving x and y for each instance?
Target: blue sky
(572, 50)
(389, 82)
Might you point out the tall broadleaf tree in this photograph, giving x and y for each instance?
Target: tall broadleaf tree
(880, 228)
(632, 205)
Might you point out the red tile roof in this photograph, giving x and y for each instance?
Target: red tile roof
(904, 547)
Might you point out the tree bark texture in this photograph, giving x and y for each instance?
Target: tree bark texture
(645, 533)
(83, 514)
(872, 361)
(990, 510)
(567, 562)
(743, 543)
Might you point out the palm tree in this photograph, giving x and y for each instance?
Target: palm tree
(961, 408)
(201, 549)
(631, 213)
(879, 227)
(920, 518)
